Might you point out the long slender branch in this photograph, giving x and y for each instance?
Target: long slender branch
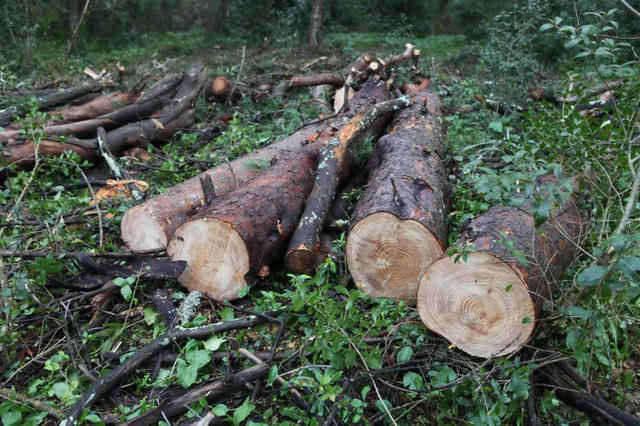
(106, 383)
(628, 6)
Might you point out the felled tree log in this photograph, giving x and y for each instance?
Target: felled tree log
(100, 105)
(399, 226)
(308, 80)
(489, 302)
(320, 95)
(150, 225)
(244, 230)
(48, 100)
(219, 87)
(540, 93)
(332, 169)
(107, 111)
(114, 119)
(132, 135)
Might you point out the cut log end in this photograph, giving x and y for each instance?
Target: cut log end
(482, 306)
(217, 258)
(387, 256)
(301, 260)
(141, 232)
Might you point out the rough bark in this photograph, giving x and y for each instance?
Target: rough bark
(316, 23)
(48, 100)
(244, 230)
(150, 225)
(320, 96)
(399, 226)
(101, 105)
(308, 80)
(333, 168)
(489, 302)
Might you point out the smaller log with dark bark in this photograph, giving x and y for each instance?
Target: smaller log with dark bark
(332, 169)
(489, 301)
(244, 230)
(399, 226)
(308, 80)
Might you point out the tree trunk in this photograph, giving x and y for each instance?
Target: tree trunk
(308, 80)
(49, 100)
(488, 303)
(316, 23)
(244, 230)
(333, 167)
(150, 225)
(399, 226)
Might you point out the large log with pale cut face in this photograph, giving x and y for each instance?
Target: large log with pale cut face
(489, 301)
(244, 230)
(399, 226)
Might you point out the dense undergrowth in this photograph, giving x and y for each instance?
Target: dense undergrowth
(354, 359)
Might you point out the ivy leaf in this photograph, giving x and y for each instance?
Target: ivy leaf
(413, 381)
(150, 316)
(187, 373)
(546, 27)
(629, 266)
(61, 390)
(10, 418)
(273, 375)
(220, 410)
(576, 311)
(126, 292)
(404, 354)
(198, 358)
(496, 126)
(519, 387)
(213, 343)
(592, 275)
(227, 314)
(381, 404)
(242, 412)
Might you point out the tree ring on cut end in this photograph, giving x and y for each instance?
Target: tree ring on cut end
(217, 258)
(482, 306)
(387, 256)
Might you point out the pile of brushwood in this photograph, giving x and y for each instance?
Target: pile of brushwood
(226, 228)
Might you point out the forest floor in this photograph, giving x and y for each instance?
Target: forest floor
(350, 359)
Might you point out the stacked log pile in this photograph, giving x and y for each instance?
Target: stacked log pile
(241, 217)
(131, 120)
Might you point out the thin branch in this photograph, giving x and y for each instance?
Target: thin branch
(628, 6)
(75, 30)
(106, 383)
(18, 398)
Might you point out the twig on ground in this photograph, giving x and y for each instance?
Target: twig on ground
(13, 396)
(106, 383)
